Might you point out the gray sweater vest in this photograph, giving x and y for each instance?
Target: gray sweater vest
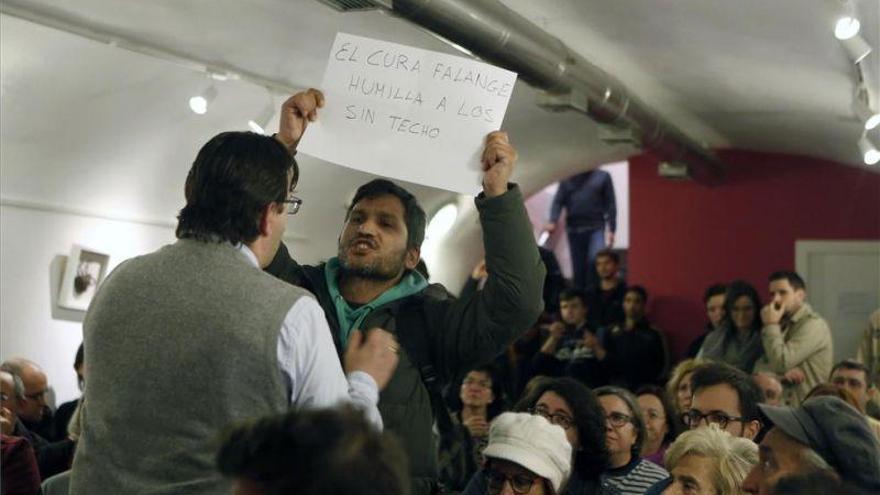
(180, 343)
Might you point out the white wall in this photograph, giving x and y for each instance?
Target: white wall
(33, 248)
(538, 206)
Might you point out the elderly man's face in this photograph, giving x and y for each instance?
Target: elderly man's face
(780, 455)
(7, 388)
(692, 475)
(35, 387)
(770, 387)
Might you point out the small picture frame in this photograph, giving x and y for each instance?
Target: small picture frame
(84, 272)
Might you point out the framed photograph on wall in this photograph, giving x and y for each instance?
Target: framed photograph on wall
(83, 274)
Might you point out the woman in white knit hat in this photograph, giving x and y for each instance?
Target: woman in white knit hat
(526, 454)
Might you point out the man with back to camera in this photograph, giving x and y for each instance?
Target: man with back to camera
(796, 340)
(590, 206)
(371, 282)
(190, 338)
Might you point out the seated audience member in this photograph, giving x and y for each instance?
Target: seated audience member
(480, 400)
(713, 299)
(822, 434)
(727, 397)
(796, 340)
(569, 404)
(709, 461)
(737, 341)
(770, 386)
(661, 427)
(52, 457)
(625, 433)
(636, 352)
(18, 464)
(606, 301)
(844, 394)
(65, 410)
(572, 348)
(678, 388)
(34, 411)
(869, 354)
(313, 452)
(526, 454)
(853, 376)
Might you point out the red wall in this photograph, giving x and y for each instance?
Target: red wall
(685, 236)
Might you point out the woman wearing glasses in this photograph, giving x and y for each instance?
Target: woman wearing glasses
(625, 433)
(572, 406)
(737, 341)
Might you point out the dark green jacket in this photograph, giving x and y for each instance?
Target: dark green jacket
(462, 333)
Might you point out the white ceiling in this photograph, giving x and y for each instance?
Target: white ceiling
(90, 126)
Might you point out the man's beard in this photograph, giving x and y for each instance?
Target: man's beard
(381, 269)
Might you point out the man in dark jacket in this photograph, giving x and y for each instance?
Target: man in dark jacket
(372, 282)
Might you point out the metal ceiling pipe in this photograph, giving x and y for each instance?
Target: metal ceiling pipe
(499, 35)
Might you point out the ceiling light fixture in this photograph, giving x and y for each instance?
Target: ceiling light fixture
(259, 123)
(199, 103)
(846, 28)
(869, 151)
(856, 47)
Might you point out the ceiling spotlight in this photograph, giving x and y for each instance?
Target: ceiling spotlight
(846, 28)
(258, 124)
(856, 47)
(870, 154)
(199, 103)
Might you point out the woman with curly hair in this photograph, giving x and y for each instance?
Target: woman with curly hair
(573, 407)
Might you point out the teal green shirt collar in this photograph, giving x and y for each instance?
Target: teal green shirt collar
(351, 318)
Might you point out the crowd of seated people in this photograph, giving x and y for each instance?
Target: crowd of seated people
(600, 407)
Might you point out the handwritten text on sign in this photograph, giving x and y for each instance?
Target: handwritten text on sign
(408, 113)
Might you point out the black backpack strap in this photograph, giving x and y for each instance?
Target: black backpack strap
(411, 322)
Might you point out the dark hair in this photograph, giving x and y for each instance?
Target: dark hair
(499, 403)
(714, 290)
(422, 268)
(78, 360)
(851, 364)
(413, 214)
(737, 289)
(609, 253)
(793, 278)
(592, 457)
(672, 421)
(638, 289)
(812, 482)
(638, 418)
(711, 374)
(573, 293)
(234, 177)
(312, 452)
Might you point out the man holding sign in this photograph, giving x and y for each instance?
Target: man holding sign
(371, 283)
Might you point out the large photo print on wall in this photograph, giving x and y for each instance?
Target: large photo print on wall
(83, 273)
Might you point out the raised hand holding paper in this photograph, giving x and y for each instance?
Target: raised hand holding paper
(408, 113)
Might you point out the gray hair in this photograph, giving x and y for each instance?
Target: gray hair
(638, 418)
(732, 457)
(17, 384)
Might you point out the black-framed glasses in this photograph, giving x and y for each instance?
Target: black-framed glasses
(520, 483)
(293, 204)
(693, 418)
(617, 419)
(559, 419)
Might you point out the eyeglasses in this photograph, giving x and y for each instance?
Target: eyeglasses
(293, 204)
(559, 419)
(618, 420)
(693, 418)
(520, 483)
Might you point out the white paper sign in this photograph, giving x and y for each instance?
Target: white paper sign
(408, 113)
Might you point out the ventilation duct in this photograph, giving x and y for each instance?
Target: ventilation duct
(499, 35)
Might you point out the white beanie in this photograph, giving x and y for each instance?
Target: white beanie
(532, 442)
